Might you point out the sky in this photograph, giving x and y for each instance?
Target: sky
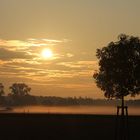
(71, 30)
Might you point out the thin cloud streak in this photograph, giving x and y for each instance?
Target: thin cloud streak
(31, 42)
(80, 64)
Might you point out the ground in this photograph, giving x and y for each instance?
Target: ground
(63, 127)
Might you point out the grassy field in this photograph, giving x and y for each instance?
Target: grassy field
(63, 127)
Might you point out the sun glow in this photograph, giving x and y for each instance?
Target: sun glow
(47, 53)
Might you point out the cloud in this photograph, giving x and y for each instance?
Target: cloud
(27, 64)
(29, 49)
(31, 42)
(77, 86)
(80, 64)
(20, 61)
(70, 55)
(9, 54)
(26, 49)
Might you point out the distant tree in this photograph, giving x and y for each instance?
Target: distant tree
(20, 89)
(119, 68)
(1, 89)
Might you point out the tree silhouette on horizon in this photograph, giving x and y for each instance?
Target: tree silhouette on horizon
(119, 68)
(20, 89)
(1, 89)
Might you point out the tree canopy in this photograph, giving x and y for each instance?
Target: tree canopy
(119, 67)
(20, 89)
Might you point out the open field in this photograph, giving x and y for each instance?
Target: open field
(75, 109)
(21, 126)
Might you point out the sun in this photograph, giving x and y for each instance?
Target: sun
(47, 53)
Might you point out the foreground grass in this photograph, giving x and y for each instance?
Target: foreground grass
(63, 127)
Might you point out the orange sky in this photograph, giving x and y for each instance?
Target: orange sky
(72, 30)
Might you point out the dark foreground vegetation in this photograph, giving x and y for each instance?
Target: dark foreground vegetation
(63, 127)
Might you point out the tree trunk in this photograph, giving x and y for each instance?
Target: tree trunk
(122, 120)
(122, 113)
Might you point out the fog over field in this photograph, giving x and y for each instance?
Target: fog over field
(109, 110)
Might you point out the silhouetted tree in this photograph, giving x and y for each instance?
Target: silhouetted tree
(119, 68)
(1, 89)
(20, 89)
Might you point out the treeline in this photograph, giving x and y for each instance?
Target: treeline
(20, 96)
(60, 101)
(52, 100)
(16, 100)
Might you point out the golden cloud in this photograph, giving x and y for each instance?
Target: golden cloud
(31, 42)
